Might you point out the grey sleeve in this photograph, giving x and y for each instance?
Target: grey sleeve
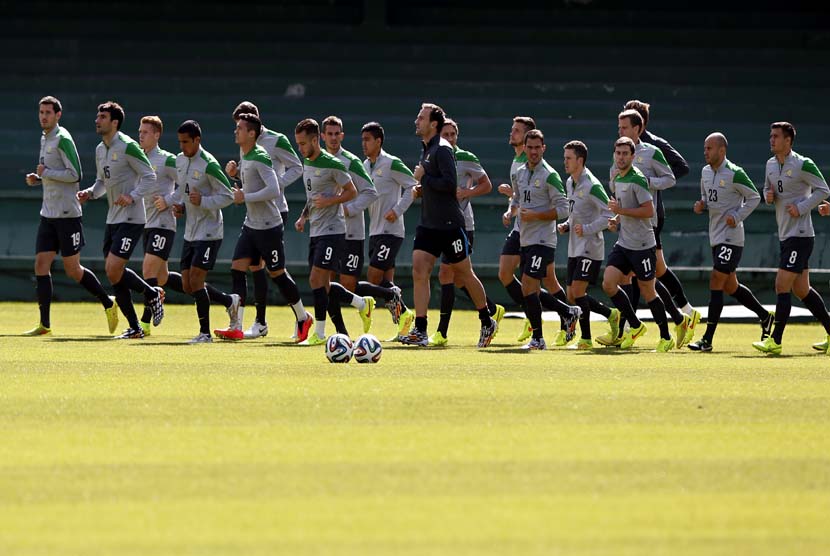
(271, 189)
(751, 200)
(221, 195)
(147, 184)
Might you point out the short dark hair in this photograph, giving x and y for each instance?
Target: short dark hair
(526, 121)
(641, 108)
(633, 116)
(786, 127)
(309, 126)
(579, 148)
(56, 104)
(375, 130)
(192, 128)
(436, 114)
(534, 134)
(115, 111)
(245, 107)
(332, 120)
(625, 141)
(450, 121)
(252, 121)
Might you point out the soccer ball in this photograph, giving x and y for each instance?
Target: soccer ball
(339, 348)
(367, 349)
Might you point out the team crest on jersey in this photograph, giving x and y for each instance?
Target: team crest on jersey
(48, 149)
(536, 183)
(196, 174)
(379, 172)
(316, 172)
(115, 156)
(153, 166)
(722, 183)
(789, 173)
(639, 159)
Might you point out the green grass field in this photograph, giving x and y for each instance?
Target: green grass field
(155, 447)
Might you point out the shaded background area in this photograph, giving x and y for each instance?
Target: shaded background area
(570, 65)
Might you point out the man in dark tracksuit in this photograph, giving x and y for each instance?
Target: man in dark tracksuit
(441, 229)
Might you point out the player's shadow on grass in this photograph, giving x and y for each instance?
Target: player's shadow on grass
(85, 339)
(511, 350)
(763, 357)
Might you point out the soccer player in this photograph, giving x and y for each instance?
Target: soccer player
(635, 248)
(441, 228)
(795, 186)
(288, 167)
(352, 258)
(541, 200)
(262, 232)
(61, 228)
(203, 191)
(510, 258)
(730, 197)
(651, 162)
(125, 176)
(473, 181)
(394, 182)
(588, 217)
(160, 228)
(327, 186)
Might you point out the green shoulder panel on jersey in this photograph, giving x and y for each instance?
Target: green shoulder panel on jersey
(466, 156)
(810, 167)
(521, 158)
(636, 176)
(67, 146)
(326, 160)
(553, 177)
(740, 176)
(658, 154)
(399, 166)
(213, 168)
(356, 166)
(283, 142)
(259, 154)
(171, 159)
(598, 191)
(135, 151)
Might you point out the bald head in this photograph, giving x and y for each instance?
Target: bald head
(714, 149)
(719, 138)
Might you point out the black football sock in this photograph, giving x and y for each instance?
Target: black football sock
(783, 305)
(447, 303)
(203, 309)
(584, 319)
(91, 283)
(561, 296)
(125, 303)
(815, 305)
(148, 314)
(217, 296)
(321, 303)
(745, 297)
(598, 307)
(137, 284)
(421, 324)
(484, 316)
(553, 303)
(672, 283)
(658, 310)
(43, 288)
(260, 279)
(174, 282)
(368, 289)
(514, 290)
(335, 313)
(621, 302)
(533, 308)
(239, 285)
(715, 309)
(668, 302)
